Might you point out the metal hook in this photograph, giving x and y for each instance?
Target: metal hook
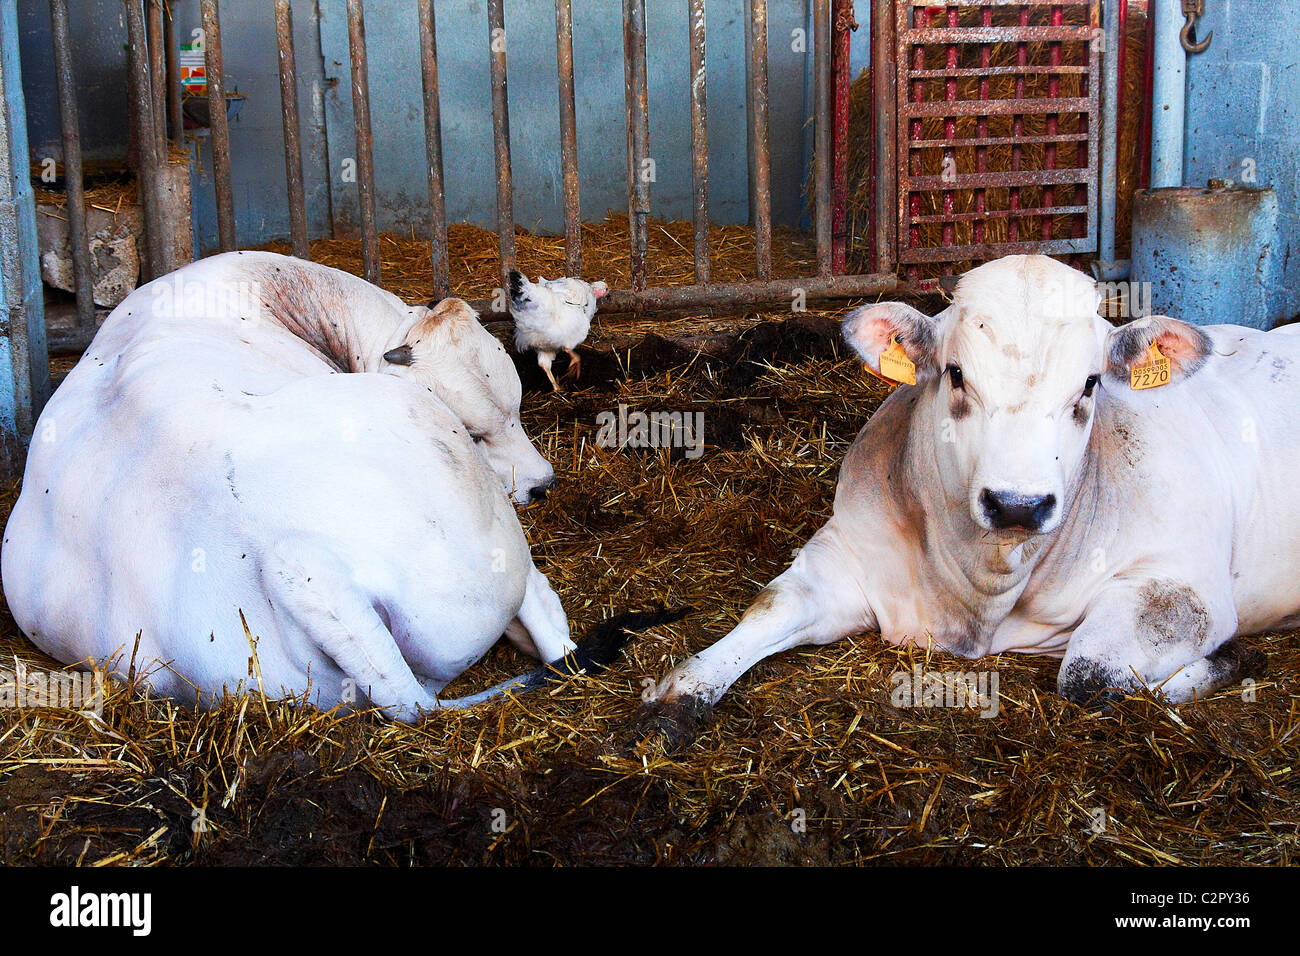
(1191, 10)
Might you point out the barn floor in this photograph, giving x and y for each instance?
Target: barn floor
(806, 760)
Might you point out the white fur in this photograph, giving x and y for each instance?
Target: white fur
(233, 441)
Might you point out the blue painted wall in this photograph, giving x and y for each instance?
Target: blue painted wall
(1243, 111)
(326, 108)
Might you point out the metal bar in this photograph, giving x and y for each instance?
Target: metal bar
(699, 142)
(175, 115)
(292, 143)
(999, 214)
(982, 132)
(1169, 97)
(66, 85)
(157, 72)
(1109, 134)
(843, 25)
(993, 250)
(433, 151)
(24, 365)
(365, 141)
(731, 294)
(147, 178)
(822, 132)
(950, 131)
(995, 70)
(1049, 151)
(1145, 118)
(1016, 106)
(639, 168)
(1009, 34)
(218, 125)
(884, 135)
(1017, 127)
(501, 138)
(1000, 140)
(1026, 177)
(568, 138)
(758, 97)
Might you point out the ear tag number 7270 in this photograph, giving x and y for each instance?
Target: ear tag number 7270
(1152, 373)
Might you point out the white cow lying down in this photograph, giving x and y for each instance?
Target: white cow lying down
(1022, 496)
(205, 458)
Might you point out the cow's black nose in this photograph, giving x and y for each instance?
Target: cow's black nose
(540, 491)
(1006, 509)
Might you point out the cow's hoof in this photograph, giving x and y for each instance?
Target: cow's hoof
(1236, 660)
(677, 722)
(1089, 684)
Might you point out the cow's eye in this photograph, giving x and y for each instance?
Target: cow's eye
(954, 375)
(1090, 384)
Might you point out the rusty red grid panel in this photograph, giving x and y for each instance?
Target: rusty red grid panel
(948, 183)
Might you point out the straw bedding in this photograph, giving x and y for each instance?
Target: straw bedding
(806, 761)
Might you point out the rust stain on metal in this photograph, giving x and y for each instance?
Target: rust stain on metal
(433, 151)
(365, 141)
(699, 141)
(501, 137)
(292, 143)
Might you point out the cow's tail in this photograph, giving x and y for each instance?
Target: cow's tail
(598, 649)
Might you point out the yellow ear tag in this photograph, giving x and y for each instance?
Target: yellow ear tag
(895, 366)
(1152, 373)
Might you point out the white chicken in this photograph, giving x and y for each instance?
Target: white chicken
(553, 315)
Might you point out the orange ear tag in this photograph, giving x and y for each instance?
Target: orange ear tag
(1152, 373)
(895, 367)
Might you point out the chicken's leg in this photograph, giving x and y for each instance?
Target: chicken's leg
(544, 359)
(575, 365)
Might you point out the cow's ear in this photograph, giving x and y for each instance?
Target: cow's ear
(872, 329)
(1185, 345)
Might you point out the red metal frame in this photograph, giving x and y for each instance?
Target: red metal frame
(954, 27)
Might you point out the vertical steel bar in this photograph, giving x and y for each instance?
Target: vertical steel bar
(501, 137)
(433, 151)
(822, 131)
(1108, 178)
(758, 98)
(66, 85)
(950, 132)
(292, 142)
(175, 116)
(157, 72)
(884, 116)
(1045, 223)
(982, 131)
(147, 178)
(699, 142)
(568, 137)
(843, 23)
(365, 140)
(639, 167)
(916, 133)
(218, 124)
(1017, 130)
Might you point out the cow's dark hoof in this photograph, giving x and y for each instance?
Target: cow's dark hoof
(1089, 684)
(676, 722)
(1235, 661)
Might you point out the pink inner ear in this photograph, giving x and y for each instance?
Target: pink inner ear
(1176, 342)
(601, 291)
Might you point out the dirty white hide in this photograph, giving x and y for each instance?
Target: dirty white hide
(1022, 496)
(263, 436)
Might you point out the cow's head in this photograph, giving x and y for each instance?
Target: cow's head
(1017, 364)
(448, 351)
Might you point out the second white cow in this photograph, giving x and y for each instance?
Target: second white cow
(260, 436)
(1024, 496)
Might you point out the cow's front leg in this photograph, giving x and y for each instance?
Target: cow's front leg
(1159, 633)
(541, 629)
(816, 601)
